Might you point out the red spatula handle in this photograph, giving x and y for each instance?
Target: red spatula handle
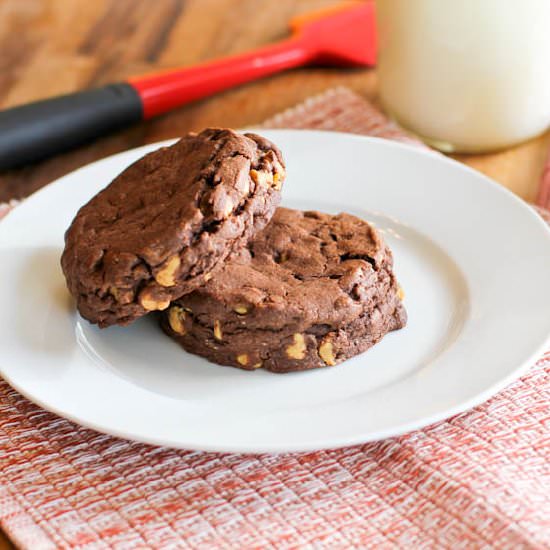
(162, 92)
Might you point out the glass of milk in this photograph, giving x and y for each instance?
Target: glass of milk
(466, 75)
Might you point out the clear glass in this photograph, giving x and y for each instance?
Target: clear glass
(466, 75)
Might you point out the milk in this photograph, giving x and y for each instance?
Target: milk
(466, 75)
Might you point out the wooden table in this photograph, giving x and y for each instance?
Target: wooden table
(57, 46)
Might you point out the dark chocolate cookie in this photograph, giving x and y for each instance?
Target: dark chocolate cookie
(310, 290)
(161, 228)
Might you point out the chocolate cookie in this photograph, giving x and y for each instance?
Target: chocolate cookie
(310, 290)
(161, 228)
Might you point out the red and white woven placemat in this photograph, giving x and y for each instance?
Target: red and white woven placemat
(478, 480)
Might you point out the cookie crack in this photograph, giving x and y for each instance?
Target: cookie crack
(365, 257)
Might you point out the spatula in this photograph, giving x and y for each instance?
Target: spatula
(341, 36)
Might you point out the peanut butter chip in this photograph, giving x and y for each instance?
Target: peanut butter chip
(176, 318)
(217, 330)
(242, 359)
(262, 177)
(326, 352)
(297, 350)
(150, 304)
(400, 293)
(257, 365)
(166, 276)
(240, 309)
(279, 174)
(277, 182)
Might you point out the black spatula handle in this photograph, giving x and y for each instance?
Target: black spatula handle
(37, 130)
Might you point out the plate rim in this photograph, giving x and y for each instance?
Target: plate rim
(333, 442)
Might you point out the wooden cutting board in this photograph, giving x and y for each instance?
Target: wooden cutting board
(57, 46)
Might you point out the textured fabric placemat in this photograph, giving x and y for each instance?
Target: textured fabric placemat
(478, 480)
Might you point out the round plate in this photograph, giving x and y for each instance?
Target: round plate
(474, 262)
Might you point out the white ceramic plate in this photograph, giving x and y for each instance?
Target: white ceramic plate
(474, 262)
